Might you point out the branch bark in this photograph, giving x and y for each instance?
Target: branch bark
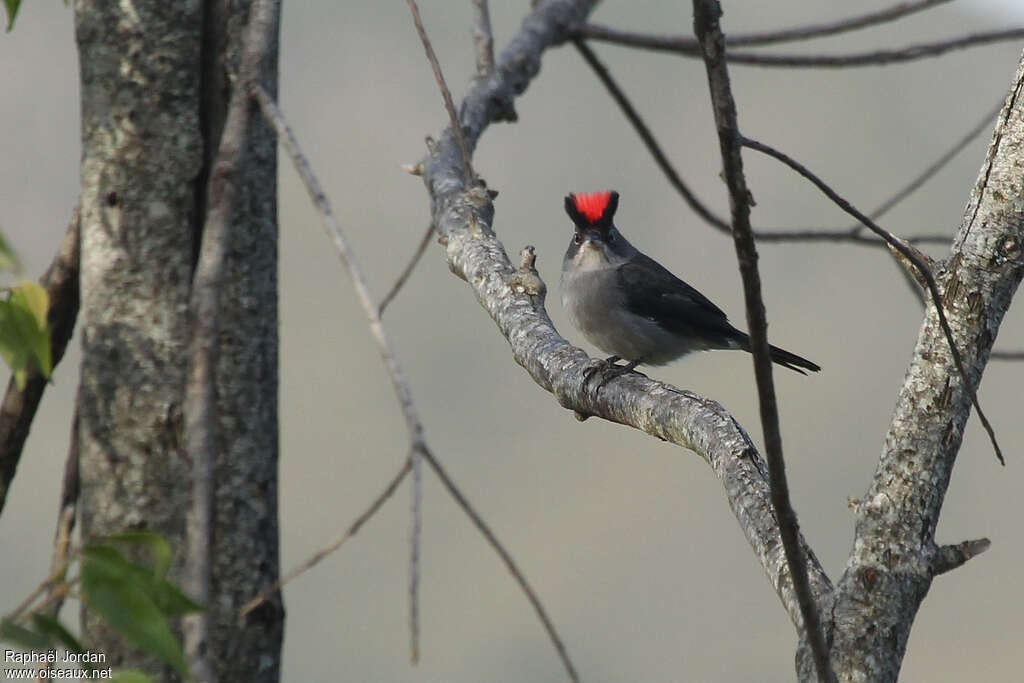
(154, 92)
(20, 405)
(202, 414)
(706, 16)
(895, 556)
(514, 298)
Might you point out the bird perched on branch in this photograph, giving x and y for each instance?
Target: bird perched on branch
(627, 304)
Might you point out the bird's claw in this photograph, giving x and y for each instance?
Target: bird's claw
(609, 370)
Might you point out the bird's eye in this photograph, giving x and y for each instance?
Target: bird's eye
(577, 238)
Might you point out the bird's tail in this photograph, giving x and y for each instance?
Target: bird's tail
(792, 361)
(780, 356)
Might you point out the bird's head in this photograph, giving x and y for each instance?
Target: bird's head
(595, 241)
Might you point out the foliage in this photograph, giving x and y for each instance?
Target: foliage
(12, 11)
(135, 599)
(24, 331)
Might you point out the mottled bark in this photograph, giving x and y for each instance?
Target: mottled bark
(895, 556)
(152, 76)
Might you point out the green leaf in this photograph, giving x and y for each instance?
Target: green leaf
(171, 600)
(131, 676)
(12, 11)
(17, 634)
(32, 297)
(120, 591)
(24, 334)
(158, 547)
(8, 258)
(54, 629)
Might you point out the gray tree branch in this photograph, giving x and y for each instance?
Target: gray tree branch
(894, 556)
(200, 407)
(154, 91)
(514, 298)
(418, 446)
(706, 18)
(19, 405)
(686, 46)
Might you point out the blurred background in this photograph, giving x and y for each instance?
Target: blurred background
(628, 541)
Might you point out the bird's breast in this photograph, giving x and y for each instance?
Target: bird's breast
(596, 307)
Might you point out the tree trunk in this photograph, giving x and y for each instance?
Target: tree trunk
(154, 90)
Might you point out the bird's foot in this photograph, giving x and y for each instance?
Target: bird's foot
(609, 370)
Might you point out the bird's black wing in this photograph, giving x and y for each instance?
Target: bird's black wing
(652, 292)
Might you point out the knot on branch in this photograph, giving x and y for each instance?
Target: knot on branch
(950, 557)
(526, 280)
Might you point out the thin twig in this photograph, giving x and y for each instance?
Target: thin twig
(200, 402)
(897, 11)
(984, 124)
(407, 271)
(648, 138)
(19, 405)
(399, 383)
(706, 14)
(331, 547)
(484, 38)
(510, 564)
(386, 349)
(688, 48)
(1006, 355)
(446, 94)
(850, 235)
(66, 516)
(908, 252)
(415, 538)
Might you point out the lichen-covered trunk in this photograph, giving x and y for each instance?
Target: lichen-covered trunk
(153, 94)
(895, 554)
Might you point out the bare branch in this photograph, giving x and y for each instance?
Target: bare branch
(909, 253)
(706, 15)
(510, 564)
(890, 568)
(984, 124)
(687, 47)
(200, 402)
(648, 138)
(849, 235)
(407, 271)
(483, 38)
(897, 11)
(949, 557)
(66, 515)
(19, 406)
(446, 94)
(331, 547)
(463, 218)
(383, 341)
(415, 538)
(384, 346)
(1006, 355)
(399, 383)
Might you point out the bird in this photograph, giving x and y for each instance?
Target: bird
(630, 306)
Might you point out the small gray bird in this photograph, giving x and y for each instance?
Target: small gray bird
(627, 304)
